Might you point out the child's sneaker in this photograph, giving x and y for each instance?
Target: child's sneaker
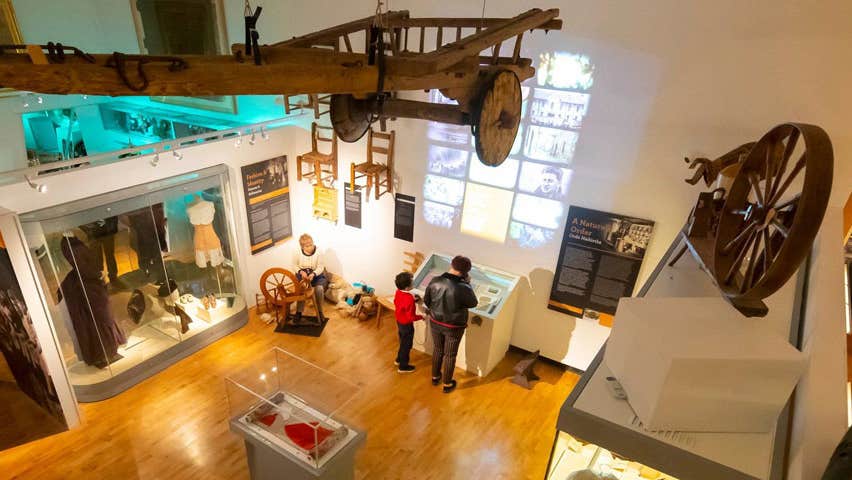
(405, 369)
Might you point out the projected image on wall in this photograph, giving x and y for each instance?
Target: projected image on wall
(528, 236)
(449, 162)
(547, 181)
(443, 190)
(537, 211)
(503, 176)
(558, 109)
(440, 215)
(565, 70)
(486, 212)
(521, 200)
(550, 144)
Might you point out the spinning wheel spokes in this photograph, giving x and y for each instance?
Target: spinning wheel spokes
(279, 286)
(772, 212)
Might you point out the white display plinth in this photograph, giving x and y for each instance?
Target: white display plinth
(696, 364)
(489, 330)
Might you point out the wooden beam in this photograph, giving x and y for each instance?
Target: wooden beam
(339, 30)
(474, 44)
(435, 112)
(306, 71)
(554, 24)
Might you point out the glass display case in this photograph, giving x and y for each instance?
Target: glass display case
(490, 325)
(287, 409)
(139, 278)
(574, 459)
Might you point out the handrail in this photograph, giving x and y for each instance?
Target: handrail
(126, 154)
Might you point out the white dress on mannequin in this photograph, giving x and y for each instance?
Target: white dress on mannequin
(208, 248)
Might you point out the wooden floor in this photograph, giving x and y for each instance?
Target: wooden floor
(174, 425)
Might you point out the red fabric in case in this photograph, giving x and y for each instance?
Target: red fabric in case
(268, 420)
(303, 434)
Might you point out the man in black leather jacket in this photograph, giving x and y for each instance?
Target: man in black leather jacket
(448, 297)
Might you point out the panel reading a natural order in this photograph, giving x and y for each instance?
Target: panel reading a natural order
(599, 261)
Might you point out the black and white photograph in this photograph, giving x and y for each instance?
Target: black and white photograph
(627, 236)
(550, 144)
(445, 190)
(440, 215)
(449, 162)
(547, 181)
(449, 133)
(529, 236)
(558, 109)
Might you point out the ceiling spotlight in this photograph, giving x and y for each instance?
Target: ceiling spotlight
(177, 155)
(39, 187)
(252, 140)
(85, 97)
(239, 141)
(156, 160)
(264, 134)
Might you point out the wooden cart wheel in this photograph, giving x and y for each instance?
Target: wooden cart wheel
(350, 117)
(497, 118)
(280, 286)
(773, 212)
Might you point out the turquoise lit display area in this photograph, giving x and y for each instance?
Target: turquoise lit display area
(58, 127)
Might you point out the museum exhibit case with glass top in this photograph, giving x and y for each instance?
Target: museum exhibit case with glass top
(575, 459)
(489, 330)
(289, 413)
(139, 278)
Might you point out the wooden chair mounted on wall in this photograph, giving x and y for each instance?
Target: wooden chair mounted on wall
(373, 171)
(321, 165)
(412, 261)
(320, 104)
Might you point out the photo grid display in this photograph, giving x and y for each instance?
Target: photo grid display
(523, 198)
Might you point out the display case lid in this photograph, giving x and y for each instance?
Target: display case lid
(595, 415)
(281, 371)
(293, 407)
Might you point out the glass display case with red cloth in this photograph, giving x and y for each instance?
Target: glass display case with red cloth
(289, 412)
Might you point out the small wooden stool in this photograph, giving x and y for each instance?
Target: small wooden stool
(386, 302)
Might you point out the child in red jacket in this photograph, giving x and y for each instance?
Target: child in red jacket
(406, 314)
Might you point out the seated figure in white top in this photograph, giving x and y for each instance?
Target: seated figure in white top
(309, 265)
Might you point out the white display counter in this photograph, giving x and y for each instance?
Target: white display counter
(489, 330)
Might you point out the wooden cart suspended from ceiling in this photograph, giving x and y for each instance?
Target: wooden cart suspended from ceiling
(396, 53)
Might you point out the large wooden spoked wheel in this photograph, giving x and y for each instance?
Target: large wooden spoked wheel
(773, 211)
(350, 117)
(497, 118)
(280, 287)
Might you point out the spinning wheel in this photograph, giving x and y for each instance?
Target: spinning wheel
(497, 118)
(773, 212)
(281, 288)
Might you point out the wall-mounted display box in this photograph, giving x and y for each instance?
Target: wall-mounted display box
(139, 278)
(288, 412)
(489, 330)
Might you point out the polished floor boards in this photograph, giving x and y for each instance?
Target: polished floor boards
(175, 424)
